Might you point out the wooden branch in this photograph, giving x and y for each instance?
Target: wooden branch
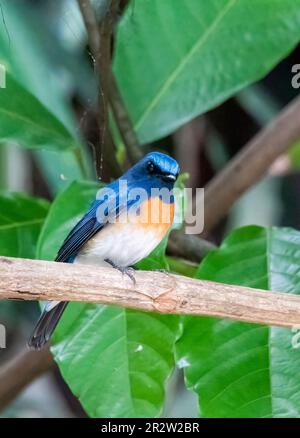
(91, 25)
(153, 291)
(188, 246)
(124, 122)
(251, 164)
(103, 56)
(18, 372)
(100, 37)
(100, 44)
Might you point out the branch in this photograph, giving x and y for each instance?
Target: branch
(251, 164)
(188, 246)
(17, 373)
(90, 22)
(100, 38)
(123, 122)
(121, 115)
(40, 280)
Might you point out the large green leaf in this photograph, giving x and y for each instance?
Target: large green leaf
(65, 211)
(178, 58)
(24, 53)
(21, 218)
(239, 369)
(60, 167)
(37, 82)
(115, 360)
(26, 121)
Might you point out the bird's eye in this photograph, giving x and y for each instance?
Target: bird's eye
(150, 167)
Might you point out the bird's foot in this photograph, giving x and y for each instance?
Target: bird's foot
(125, 270)
(163, 271)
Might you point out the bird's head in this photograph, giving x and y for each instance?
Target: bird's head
(157, 169)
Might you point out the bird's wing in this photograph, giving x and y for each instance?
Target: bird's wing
(89, 225)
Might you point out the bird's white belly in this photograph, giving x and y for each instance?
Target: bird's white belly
(123, 244)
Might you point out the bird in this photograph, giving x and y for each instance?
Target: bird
(124, 224)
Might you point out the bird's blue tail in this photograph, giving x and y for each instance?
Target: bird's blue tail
(46, 324)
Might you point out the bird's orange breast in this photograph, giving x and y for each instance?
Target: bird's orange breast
(156, 214)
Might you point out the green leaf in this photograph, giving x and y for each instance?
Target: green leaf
(176, 59)
(182, 267)
(157, 259)
(26, 121)
(239, 369)
(60, 167)
(116, 361)
(67, 209)
(24, 52)
(21, 218)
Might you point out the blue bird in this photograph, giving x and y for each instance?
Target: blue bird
(124, 224)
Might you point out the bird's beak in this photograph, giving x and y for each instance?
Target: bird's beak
(169, 177)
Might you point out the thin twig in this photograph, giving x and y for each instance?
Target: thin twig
(120, 112)
(100, 37)
(251, 164)
(124, 122)
(100, 45)
(40, 280)
(103, 62)
(91, 24)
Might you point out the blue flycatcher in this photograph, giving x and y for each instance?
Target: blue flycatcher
(124, 224)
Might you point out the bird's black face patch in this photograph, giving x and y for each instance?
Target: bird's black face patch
(153, 168)
(167, 175)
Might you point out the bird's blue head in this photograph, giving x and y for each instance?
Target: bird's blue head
(155, 170)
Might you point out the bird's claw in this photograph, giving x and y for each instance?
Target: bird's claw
(163, 271)
(127, 270)
(130, 273)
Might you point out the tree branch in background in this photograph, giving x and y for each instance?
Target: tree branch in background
(251, 164)
(17, 373)
(124, 123)
(91, 24)
(189, 247)
(175, 294)
(100, 37)
(103, 62)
